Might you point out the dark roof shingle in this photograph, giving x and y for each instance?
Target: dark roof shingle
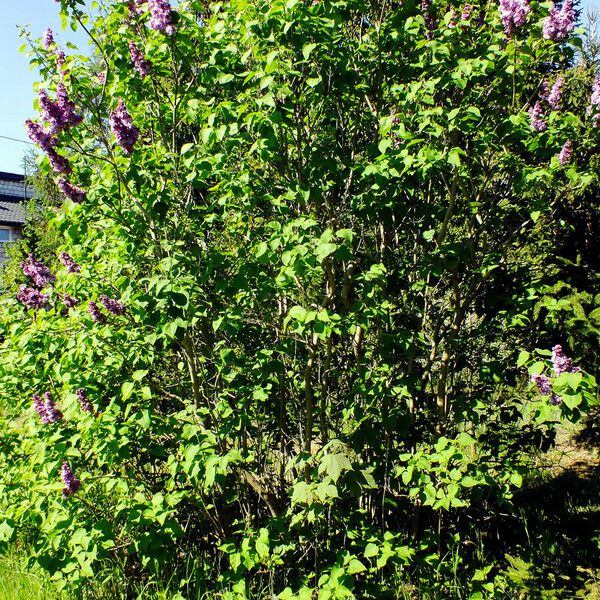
(12, 212)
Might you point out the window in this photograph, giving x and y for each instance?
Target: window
(4, 235)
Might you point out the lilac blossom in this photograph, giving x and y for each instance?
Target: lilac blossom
(160, 16)
(96, 314)
(595, 97)
(125, 132)
(429, 19)
(48, 38)
(453, 17)
(72, 192)
(31, 297)
(84, 401)
(59, 162)
(135, 6)
(52, 413)
(40, 136)
(564, 156)
(60, 59)
(71, 483)
(554, 96)
(51, 113)
(36, 271)
(466, 12)
(46, 409)
(595, 101)
(535, 117)
(38, 405)
(142, 66)
(513, 14)
(60, 114)
(544, 384)
(562, 363)
(67, 107)
(67, 261)
(559, 24)
(69, 301)
(112, 305)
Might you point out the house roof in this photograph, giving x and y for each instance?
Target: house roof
(12, 212)
(11, 176)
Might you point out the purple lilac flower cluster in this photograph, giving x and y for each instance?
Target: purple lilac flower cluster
(69, 263)
(69, 480)
(544, 385)
(142, 66)
(46, 408)
(125, 132)
(135, 6)
(453, 18)
(41, 276)
(513, 14)
(562, 363)
(429, 18)
(113, 306)
(160, 16)
(69, 301)
(594, 107)
(31, 297)
(535, 117)
(96, 313)
(59, 114)
(559, 24)
(38, 272)
(72, 192)
(564, 156)
(48, 39)
(84, 401)
(554, 95)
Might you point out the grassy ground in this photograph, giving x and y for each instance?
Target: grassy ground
(17, 583)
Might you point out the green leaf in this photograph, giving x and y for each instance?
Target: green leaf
(355, 566)
(523, 358)
(127, 389)
(324, 250)
(307, 49)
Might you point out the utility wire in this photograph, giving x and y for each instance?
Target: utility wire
(12, 139)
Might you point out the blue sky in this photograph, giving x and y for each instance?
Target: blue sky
(16, 91)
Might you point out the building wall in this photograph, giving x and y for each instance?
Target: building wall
(15, 188)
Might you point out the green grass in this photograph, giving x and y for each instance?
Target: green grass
(18, 583)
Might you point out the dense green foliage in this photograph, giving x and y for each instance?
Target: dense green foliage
(342, 250)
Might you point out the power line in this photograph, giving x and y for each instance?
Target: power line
(12, 139)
